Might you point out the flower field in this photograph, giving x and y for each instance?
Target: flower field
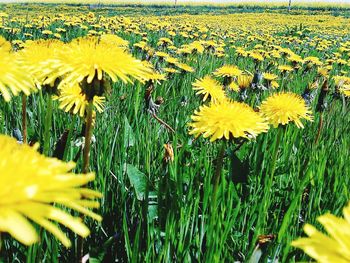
(153, 133)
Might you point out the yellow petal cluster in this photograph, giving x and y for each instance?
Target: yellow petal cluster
(285, 107)
(30, 185)
(227, 119)
(209, 87)
(13, 78)
(334, 247)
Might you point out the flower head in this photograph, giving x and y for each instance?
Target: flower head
(334, 247)
(31, 183)
(36, 54)
(13, 78)
(227, 119)
(71, 98)
(87, 58)
(209, 87)
(228, 71)
(285, 107)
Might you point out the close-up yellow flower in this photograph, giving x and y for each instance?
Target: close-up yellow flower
(227, 119)
(35, 55)
(71, 98)
(285, 107)
(334, 247)
(209, 87)
(30, 185)
(86, 58)
(13, 77)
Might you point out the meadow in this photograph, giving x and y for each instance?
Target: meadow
(198, 133)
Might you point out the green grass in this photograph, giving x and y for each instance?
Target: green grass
(161, 212)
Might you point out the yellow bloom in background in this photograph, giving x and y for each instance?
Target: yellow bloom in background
(13, 78)
(285, 68)
(228, 71)
(271, 80)
(88, 58)
(285, 107)
(31, 183)
(345, 90)
(334, 247)
(72, 99)
(113, 40)
(244, 81)
(227, 119)
(185, 67)
(209, 87)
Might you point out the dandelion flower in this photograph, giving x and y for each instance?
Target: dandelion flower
(185, 67)
(271, 80)
(72, 99)
(34, 58)
(86, 58)
(334, 247)
(31, 183)
(228, 71)
(209, 88)
(4, 44)
(285, 68)
(227, 119)
(13, 78)
(345, 90)
(285, 107)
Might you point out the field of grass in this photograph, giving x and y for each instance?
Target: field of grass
(169, 196)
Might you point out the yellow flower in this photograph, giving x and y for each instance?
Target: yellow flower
(244, 81)
(113, 40)
(345, 90)
(271, 80)
(36, 54)
(285, 68)
(13, 78)
(31, 183)
(269, 76)
(185, 67)
(155, 77)
(227, 119)
(285, 107)
(87, 58)
(334, 247)
(71, 98)
(228, 71)
(209, 87)
(4, 44)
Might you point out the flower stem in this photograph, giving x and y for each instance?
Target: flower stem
(86, 159)
(88, 135)
(24, 117)
(268, 187)
(320, 126)
(48, 122)
(217, 175)
(275, 154)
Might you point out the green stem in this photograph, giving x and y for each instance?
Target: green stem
(217, 175)
(48, 125)
(69, 138)
(274, 155)
(267, 188)
(88, 135)
(24, 117)
(86, 159)
(320, 126)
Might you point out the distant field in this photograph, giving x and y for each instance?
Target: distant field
(195, 2)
